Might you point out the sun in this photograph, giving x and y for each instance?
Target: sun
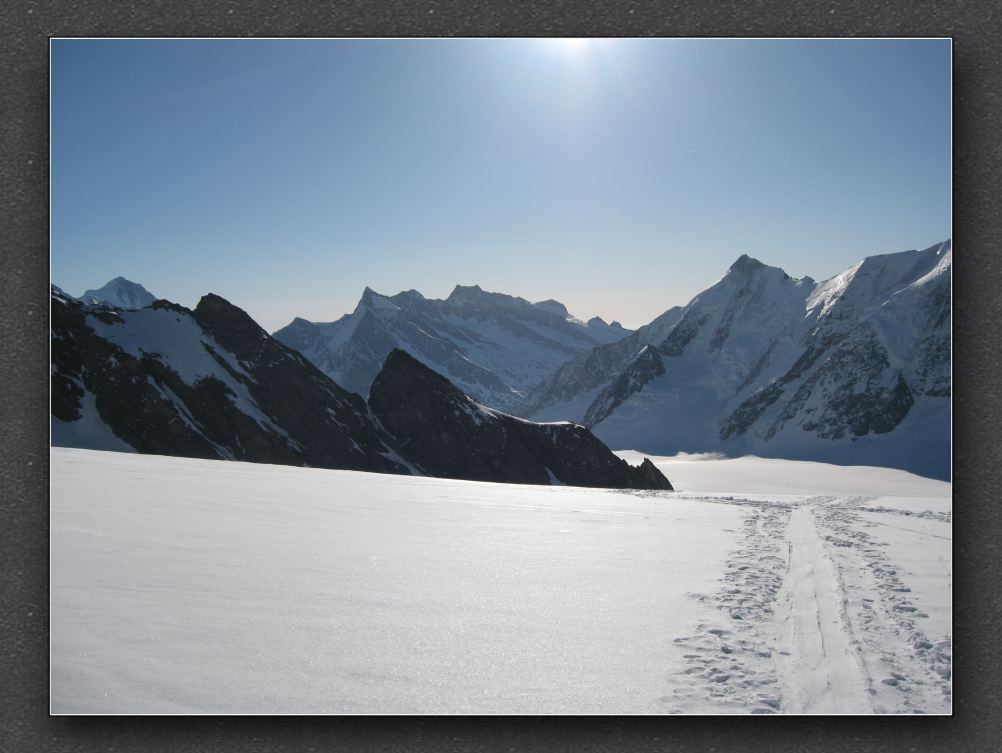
(573, 45)
(570, 47)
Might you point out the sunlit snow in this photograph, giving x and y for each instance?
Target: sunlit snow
(182, 585)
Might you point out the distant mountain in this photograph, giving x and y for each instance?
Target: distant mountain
(855, 369)
(211, 383)
(494, 347)
(449, 434)
(120, 293)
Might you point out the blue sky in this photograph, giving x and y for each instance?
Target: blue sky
(620, 177)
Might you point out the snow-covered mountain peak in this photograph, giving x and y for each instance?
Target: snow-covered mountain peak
(552, 306)
(465, 294)
(746, 265)
(375, 302)
(121, 293)
(877, 277)
(408, 298)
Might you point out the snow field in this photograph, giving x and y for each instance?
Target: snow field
(183, 586)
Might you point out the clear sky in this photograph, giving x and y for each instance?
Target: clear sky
(620, 177)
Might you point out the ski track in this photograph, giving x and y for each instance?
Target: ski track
(815, 619)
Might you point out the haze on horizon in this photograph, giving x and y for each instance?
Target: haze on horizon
(620, 177)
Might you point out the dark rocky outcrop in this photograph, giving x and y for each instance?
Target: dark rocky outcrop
(446, 433)
(249, 397)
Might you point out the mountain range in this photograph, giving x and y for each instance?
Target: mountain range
(494, 347)
(855, 369)
(211, 383)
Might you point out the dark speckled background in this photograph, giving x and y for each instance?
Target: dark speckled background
(26, 27)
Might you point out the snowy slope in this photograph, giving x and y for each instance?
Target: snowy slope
(121, 293)
(492, 346)
(181, 585)
(852, 370)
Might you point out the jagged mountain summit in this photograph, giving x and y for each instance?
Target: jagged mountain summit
(121, 293)
(494, 347)
(210, 383)
(447, 433)
(855, 369)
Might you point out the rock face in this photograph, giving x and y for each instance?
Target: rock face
(494, 347)
(855, 369)
(447, 433)
(207, 383)
(121, 293)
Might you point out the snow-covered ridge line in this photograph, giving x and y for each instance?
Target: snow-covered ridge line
(854, 369)
(495, 347)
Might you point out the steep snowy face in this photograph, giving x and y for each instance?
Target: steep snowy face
(120, 293)
(493, 346)
(724, 338)
(855, 369)
(206, 383)
(447, 433)
(570, 389)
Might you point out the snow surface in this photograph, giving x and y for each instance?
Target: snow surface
(88, 431)
(182, 586)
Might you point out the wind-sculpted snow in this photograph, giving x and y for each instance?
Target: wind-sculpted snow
(494, 347)
(855, 369)
(192, 586)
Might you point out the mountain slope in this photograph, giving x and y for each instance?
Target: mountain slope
(493, 346)
(206, 383)
(570, 389)
(120, 293)
(855, 369)
(449, 434)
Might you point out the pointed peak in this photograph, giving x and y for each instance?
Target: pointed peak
(121, 293)
(746, 265)
(597, 321)
(216, 314)
(375, 301)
